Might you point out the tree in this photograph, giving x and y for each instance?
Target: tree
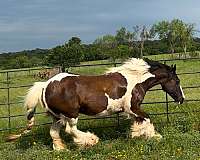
(74, 41)
(142, 34)
(105, 40)
(186, 35)
(121, 36)
(124, 37)
(168, 32)
(162, 29)
(22, 61)
(66, 55)
(175, 32)
(108, 45)
(123, 52)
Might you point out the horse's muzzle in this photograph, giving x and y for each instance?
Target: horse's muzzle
(181, 100)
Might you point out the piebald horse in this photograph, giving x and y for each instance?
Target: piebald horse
(120, 89)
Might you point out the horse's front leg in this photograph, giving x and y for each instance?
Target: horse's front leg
(83, 139)
(142, 125)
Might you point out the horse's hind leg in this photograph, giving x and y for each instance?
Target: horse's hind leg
(55, 135)
(83, 139)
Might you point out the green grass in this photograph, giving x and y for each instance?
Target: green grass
(181, 137)
(179, 142)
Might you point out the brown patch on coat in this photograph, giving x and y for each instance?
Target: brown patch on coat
(84, 94)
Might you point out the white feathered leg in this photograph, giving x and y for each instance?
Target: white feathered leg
(83, 139)
(144, 128)
(55, 134)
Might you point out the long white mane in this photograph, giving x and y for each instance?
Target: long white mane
(134, 68)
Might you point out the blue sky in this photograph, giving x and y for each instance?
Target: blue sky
(29, 24)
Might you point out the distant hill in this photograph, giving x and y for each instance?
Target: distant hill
(29, 58)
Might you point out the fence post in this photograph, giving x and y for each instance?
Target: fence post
(8, 100)
(167, 106)
(29, 71)
(167, 103)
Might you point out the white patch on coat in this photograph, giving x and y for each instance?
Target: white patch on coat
(135, 71)
(182, 92)
(114, 105)
(59, 77)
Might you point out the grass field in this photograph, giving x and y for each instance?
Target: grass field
(181, 137)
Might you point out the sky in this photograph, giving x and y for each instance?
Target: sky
(30, 24)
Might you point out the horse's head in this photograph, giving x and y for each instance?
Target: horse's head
(171, 84)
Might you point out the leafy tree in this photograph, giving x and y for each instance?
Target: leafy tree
(124, 37)
(105, 40)
(175, 32)
(21, 62)
(142, 34)
(162, 29)
(186, 33)
(66, 55)
(123, 52)
(74, 41)
(121, 36)
(108, 45)
(93, 52)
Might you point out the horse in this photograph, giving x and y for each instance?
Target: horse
(120, 89)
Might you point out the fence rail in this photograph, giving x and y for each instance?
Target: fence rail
(7, 88)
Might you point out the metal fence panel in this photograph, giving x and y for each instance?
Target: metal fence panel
(8, 86)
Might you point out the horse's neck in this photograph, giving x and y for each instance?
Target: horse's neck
(149, 83)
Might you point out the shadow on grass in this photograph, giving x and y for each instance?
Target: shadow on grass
(40, 135)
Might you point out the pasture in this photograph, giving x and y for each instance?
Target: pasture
(181, 137)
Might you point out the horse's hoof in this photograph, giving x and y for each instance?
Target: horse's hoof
(58, 145)
(157, 136)
(86, 140)
(93, 140)
(12, 137)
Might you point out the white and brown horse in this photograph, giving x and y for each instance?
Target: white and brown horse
(121, 89)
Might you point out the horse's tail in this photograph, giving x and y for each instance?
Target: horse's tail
(32, 98)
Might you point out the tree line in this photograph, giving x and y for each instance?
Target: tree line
(162, 37)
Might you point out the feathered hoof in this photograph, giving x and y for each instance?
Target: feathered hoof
(58, 145)
(12, 137)
(157, 136)
(86, 140)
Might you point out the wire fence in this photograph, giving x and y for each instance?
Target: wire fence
(9, 87)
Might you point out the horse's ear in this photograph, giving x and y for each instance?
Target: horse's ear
(174, 68)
